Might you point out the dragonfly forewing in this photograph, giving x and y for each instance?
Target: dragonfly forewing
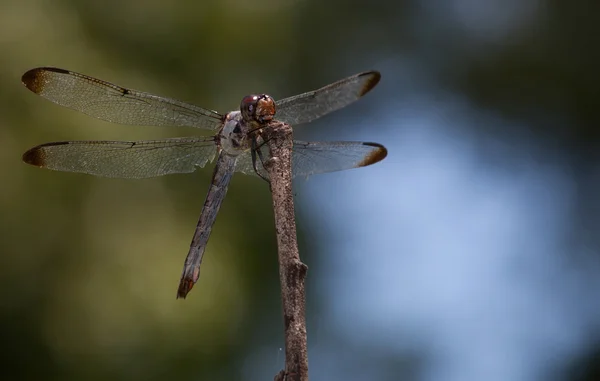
(309, 106)
(106, 101)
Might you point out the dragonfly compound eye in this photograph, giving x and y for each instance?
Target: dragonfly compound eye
(248, 107)
(265, 109)
(258, 108)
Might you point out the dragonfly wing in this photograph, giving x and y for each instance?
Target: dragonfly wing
(134, 160)
(309, 106)
(309, 158)
(106, 101)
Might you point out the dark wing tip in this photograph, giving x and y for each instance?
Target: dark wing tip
(372, 78)
(35, 156)
(377, 154)
(35, 79)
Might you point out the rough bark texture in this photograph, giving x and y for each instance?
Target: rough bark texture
(292, 271)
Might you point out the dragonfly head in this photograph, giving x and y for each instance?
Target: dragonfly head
(258, 108)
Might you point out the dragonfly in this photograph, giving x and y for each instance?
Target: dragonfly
(236, 142)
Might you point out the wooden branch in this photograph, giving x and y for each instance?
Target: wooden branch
(292, 271)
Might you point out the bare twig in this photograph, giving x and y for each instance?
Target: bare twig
(292, 271)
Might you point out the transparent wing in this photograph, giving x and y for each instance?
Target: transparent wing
(116, 104)
(132, 160)
(309, 106)
(309, 158)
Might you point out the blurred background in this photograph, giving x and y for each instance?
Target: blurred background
(472, 252)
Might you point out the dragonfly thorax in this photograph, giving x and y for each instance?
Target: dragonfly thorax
(234, 134)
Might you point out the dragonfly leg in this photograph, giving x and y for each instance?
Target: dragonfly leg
(256, 150)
